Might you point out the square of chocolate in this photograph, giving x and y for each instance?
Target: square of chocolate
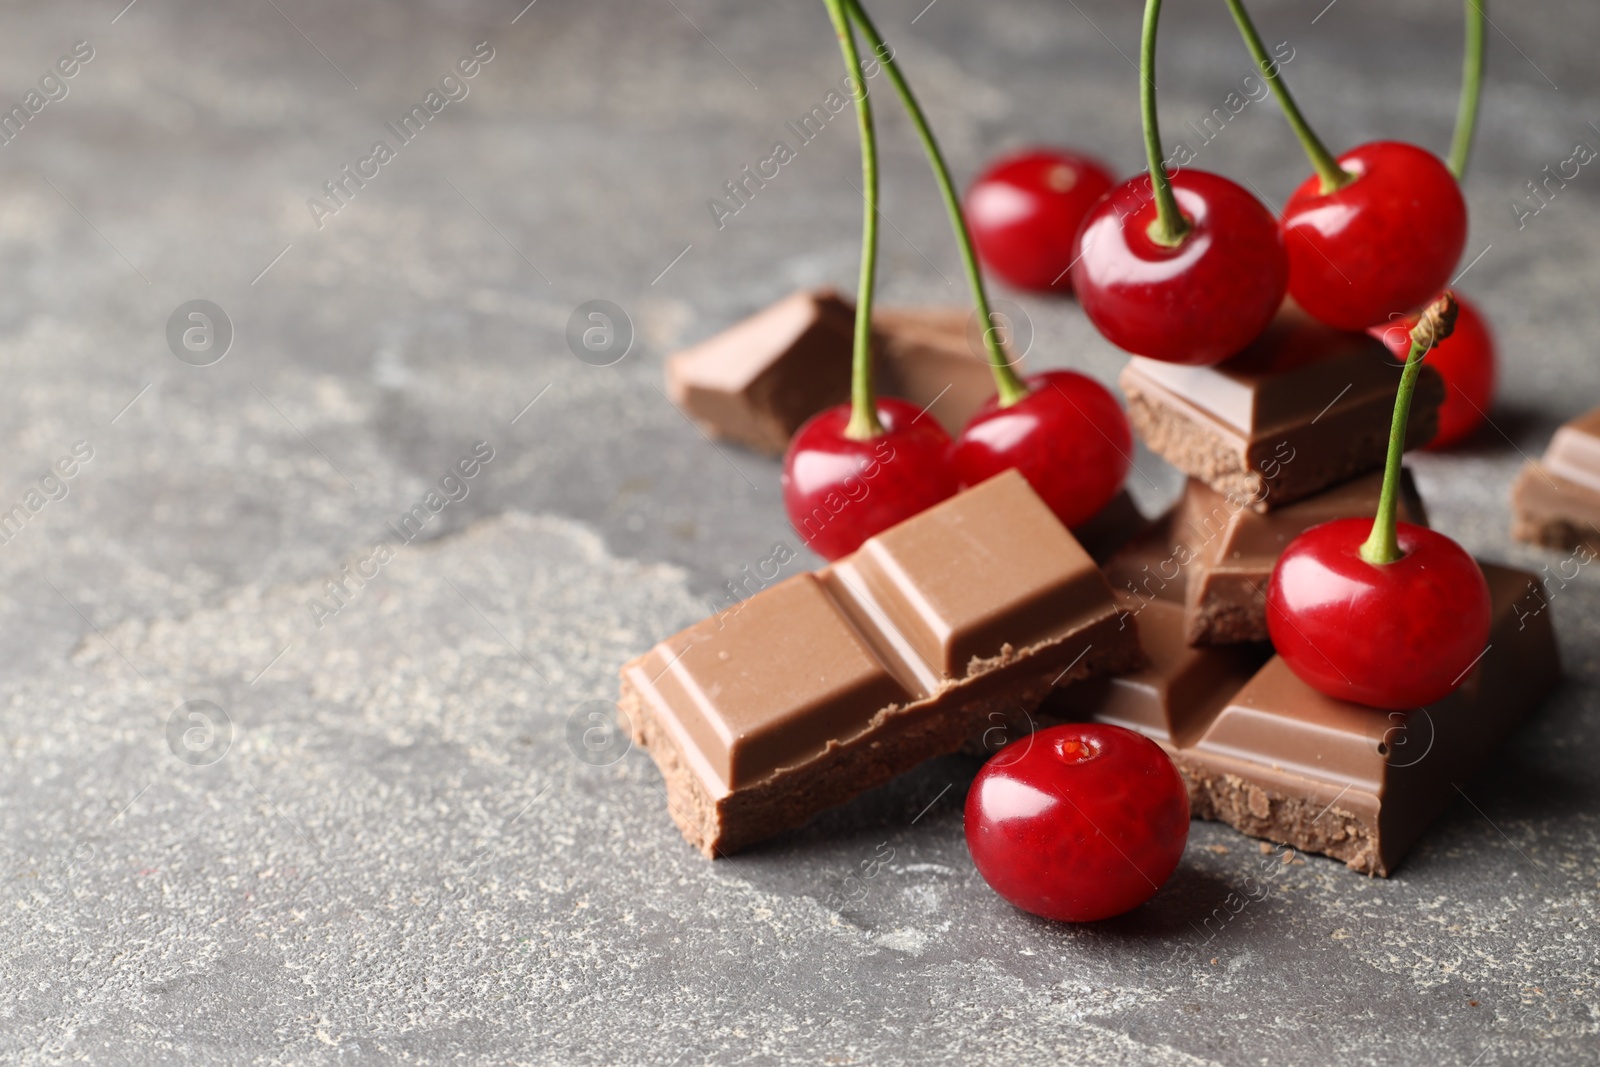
(1303, 408)
(828, 684)
(1555, 501)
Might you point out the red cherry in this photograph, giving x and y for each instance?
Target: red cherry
(1466, 360)
(1381, 245)
(1024, 212)
(1199, 302)
(1395, 636)
(1068, 437)
(1078, 822)
(839, 491)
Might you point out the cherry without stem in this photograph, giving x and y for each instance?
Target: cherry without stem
(840, 490)
(1467, 362)
(1395, 635)
(1381, 244)
(1078, 822)
(1067, 436)
(1024, 212)
(1198, 301)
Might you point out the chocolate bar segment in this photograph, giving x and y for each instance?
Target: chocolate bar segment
(1555, 501)
(829, 684)
(1178, 691)
(756, 382)
(1303, 408)
(1281, 761)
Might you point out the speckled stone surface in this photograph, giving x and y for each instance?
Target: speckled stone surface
(238, 828)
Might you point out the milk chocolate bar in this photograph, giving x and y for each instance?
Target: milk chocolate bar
(1215, 555)
(830, 683)
(1276, 759)
(1303, 408)
(757, 381)
(1555, 501)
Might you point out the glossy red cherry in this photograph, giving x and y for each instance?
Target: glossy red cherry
(1466, 360)
(1024, 212)
(839, 491)
(1068, 437)
(1199, 302)
(1078, 822)
(1381, 245)
(1396, 636)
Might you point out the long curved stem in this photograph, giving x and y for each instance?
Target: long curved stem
(1327, 167)
(864, 422)
(1383, 544)
(1170, 225)
(1008, 385)
(1471, 86)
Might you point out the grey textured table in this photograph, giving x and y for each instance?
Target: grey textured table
(383, 837)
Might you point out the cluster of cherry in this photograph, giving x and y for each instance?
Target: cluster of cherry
(1186, 266)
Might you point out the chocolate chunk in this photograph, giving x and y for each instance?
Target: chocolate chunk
(757, 381)
(1555, 501)
(1216, 555)
(1177, 692)
(1280, 760)
(1303, 408)
(828, 684)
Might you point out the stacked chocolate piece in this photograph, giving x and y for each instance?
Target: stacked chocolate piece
(1289, 434)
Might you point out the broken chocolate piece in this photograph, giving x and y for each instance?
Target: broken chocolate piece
(756, 382)
(1284, 762)
(1555, 501)
(828, 684)
(1303, 408)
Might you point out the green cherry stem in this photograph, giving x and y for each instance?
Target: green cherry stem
(1382, 545)
(1327, 167)
(864, 422)
(1471, 85)
(1008, 385)
(1170, 226)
